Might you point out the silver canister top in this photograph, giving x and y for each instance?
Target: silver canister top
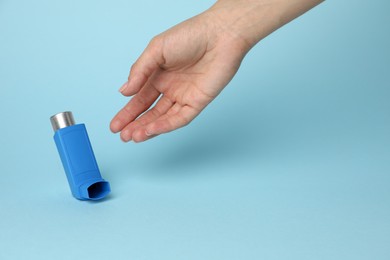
(62, 120)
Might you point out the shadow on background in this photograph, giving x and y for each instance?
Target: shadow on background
(227, 136)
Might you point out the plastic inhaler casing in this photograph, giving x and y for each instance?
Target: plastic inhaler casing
(78, 158)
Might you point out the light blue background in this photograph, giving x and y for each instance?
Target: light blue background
(291, 161)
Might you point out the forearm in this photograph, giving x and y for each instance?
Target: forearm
(252, 20)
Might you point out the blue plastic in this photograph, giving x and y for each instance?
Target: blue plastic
(79, 163)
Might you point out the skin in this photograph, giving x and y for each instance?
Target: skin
(187, 66)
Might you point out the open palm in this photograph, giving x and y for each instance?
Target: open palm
(184, 69)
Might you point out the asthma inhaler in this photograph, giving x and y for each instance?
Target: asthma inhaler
(78, 159)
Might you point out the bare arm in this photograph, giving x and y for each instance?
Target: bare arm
(187, 66)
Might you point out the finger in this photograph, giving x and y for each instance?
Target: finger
(136, 106)
(140, 134)
(149, 61)
(173, 119)
(161, 107)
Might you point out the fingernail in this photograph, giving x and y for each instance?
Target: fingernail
(125, 140)
(126, 136)
(124, 86)
(147, 133)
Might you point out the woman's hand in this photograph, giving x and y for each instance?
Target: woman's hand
(184, 68)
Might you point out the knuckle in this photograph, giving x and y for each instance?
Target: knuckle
(133, 70)
(184, 120)
(141, 101)
(155, 41)
(154, 112)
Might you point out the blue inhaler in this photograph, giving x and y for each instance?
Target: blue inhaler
(78, 159)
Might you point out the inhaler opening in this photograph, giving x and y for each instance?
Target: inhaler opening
(98, 190)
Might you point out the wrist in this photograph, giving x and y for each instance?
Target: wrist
(249, 21)
(246, 21)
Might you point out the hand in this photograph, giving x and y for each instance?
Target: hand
(184, 68)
